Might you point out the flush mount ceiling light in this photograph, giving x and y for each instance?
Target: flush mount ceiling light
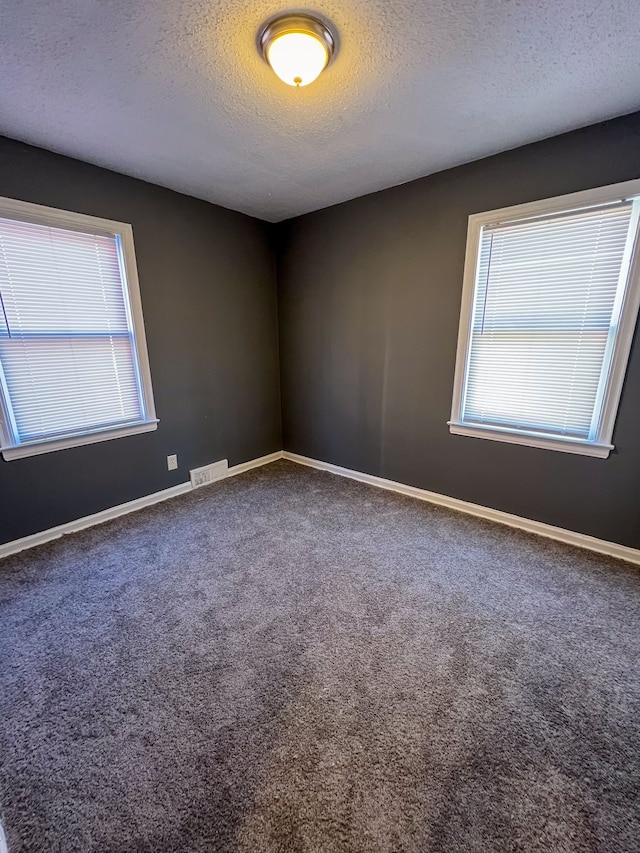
(297, 47)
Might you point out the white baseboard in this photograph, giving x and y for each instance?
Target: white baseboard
(581, 540)
(122, 509)
(254, 463)
(90, 520)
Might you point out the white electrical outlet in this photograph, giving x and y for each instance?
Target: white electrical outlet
(172, 462)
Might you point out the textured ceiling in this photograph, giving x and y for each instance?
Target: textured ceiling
(174, 91)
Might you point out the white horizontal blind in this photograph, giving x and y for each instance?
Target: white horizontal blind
(546, 306)
(67, 348)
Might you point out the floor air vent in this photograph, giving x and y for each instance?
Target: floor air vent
(209, 473)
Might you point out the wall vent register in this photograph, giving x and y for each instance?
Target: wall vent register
(549, 308)
(73, 359)
(209, 473)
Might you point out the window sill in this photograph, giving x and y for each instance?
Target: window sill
(20, 451)
(527, 439)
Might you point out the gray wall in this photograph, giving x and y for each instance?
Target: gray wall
(369, 295)
(207, 280)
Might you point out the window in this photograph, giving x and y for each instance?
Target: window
(73, 358)
(549, 307)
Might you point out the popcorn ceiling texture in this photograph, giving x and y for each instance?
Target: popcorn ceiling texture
(175, 92)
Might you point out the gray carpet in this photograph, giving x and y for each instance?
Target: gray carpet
(291, 661)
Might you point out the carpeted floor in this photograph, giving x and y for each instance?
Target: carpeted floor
(291, 661)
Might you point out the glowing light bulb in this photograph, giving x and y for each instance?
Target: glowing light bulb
(297, 58)
(297, 47)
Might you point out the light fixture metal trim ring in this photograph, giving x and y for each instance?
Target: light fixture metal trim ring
(300, 23)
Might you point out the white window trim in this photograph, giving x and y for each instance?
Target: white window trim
(602, 446)
(41, 215)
